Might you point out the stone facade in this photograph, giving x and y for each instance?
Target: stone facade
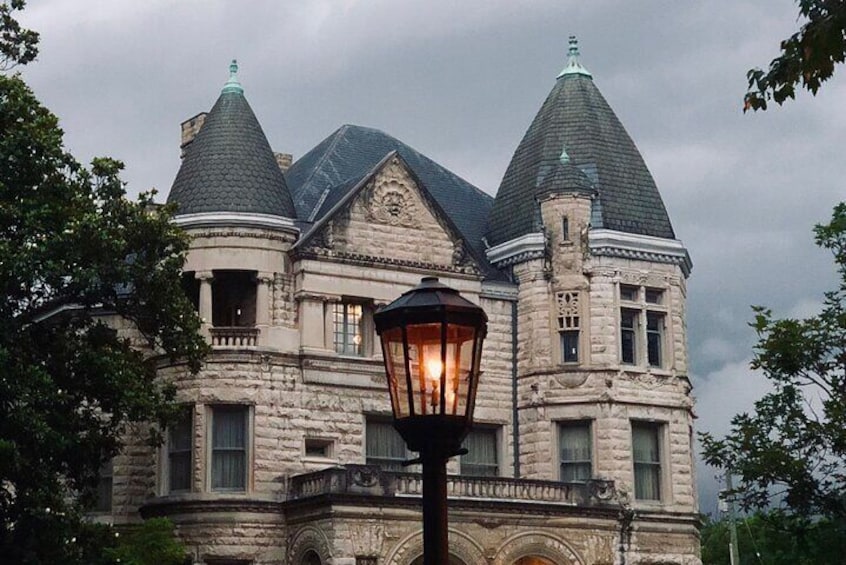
(586, 335)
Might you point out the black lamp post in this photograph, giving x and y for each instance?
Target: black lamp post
(432, 344)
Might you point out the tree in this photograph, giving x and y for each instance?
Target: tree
(18, 46)
(807, 57)
(75, 254)
(791, 450)
(775, 539)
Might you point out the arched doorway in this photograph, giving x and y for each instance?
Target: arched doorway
(311, 558)
(532, 560)
(453, 560)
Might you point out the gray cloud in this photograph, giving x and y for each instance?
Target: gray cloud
(461, 81)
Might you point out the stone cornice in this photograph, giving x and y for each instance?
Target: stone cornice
(499, 290)
(358, 259)
(610, 243)
(517, 250)
(235, 219)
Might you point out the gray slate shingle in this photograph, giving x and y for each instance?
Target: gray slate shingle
(575, 116)
(230, 167)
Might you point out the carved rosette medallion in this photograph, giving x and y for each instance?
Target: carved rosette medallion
(392, 203)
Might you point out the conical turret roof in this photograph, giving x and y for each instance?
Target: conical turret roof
(576, 116)
(230, 167)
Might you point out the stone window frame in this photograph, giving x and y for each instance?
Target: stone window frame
(587, 422)
(569, 317)
(319, 441)
(643, 305)
(249, 440)
(496, 430)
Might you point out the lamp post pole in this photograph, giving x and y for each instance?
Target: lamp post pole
(432, 345)
(435, 525)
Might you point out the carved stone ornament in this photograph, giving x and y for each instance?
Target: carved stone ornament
(392, 203)
(649, 380)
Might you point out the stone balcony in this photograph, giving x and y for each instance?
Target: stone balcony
(234, 337)
(371, 481)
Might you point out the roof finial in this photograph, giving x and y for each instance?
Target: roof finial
(574, 67)
(232, 85)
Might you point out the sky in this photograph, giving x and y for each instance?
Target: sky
(461, 82)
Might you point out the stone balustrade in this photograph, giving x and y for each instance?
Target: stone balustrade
(234, 336)
(367, 480)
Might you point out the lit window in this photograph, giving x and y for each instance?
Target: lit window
(569, 323)
(646, 454)
(103, 502)
(482, 457)
(229, 448)
(179, 447)
(385, 447)
(348, 324)
(575, 443)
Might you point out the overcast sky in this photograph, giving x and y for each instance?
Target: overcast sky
(460, 81)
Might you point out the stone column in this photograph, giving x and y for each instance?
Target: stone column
(263, 282)
(205, 305)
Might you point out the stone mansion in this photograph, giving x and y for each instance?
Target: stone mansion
(581, 452)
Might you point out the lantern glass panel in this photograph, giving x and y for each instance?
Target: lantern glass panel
(393, 350)
(440, 375)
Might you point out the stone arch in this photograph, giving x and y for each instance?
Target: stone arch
(539, 545)
(308, 539)
(461, 546)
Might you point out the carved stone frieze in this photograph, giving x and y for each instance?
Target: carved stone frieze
(391, 201)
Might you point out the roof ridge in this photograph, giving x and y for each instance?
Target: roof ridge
(338, 133)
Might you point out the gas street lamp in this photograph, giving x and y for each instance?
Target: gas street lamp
(432, 345)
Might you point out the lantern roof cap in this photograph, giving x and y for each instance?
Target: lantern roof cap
(430, 298)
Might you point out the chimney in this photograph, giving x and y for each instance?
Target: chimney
(190, 129)
(284, 160)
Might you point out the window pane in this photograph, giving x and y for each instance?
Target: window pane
(570, 346)
(179, 447)
(229, 448)
(103, 502)
(647, 460)
(628, 292)
(628, 341)
(385, 447)
(575, 444)
(481, 458)
(654, 296)
(347, 328)
(654, 331)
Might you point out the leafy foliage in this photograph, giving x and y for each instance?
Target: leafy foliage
(776, 539)
(793, 446)
(18, 46)
(92, 291)
(807, 57)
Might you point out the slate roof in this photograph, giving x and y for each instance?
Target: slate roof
(320, 179)
(230, 167)
(576, 117)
